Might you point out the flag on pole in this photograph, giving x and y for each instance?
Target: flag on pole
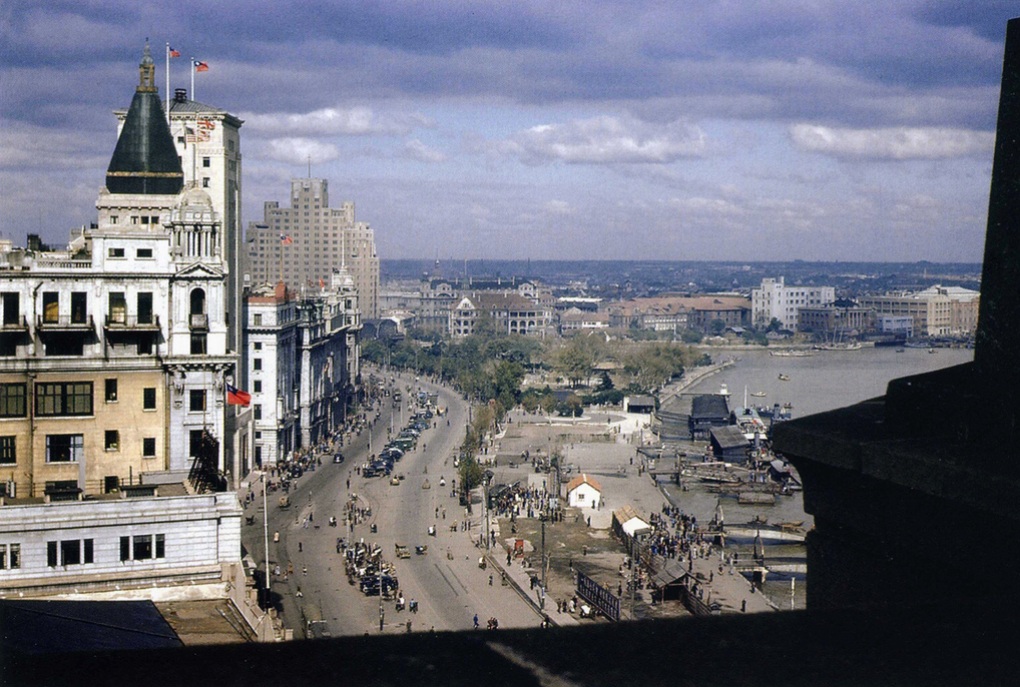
(201, 66)
(174, 53)
(236, 397)
(286, 239)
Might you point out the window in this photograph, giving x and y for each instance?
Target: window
(118, 307)
(258, 345)
(63, 398)
(51, 307)
(70, 551)
(149, 447)
(111, 440)
(257, 319)
(145, 307)
(257, 386)
(197, 400)
(8, 450)
(64, 448)
(111, 390)
(79, 309)
(198, 344)
(142, 549)
(205, 182)
(12, 308)
(149, 398)
(206, 162)
(258, 411)
(114, 219)
(256, 363)
(144, 252)
(12, 400)
(10, 556)
(115, 252)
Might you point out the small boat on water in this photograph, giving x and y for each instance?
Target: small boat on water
(784, 377)
(759, 394)
(792, 353)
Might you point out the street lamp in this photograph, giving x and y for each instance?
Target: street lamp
(265, 535)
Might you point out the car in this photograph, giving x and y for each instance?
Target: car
(369, 584)
(338, 458)
(369, 471)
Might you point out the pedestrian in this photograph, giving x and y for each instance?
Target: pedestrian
(300, 547)
(490, 579)
(476, 621)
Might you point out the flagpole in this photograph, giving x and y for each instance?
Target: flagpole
(168, 83)
(193, 80)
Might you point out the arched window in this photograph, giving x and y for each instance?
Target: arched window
(198, 302)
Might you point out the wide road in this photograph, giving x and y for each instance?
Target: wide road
(447, 582)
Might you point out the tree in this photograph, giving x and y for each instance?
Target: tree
(717, 327)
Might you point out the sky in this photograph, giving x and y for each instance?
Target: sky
(675, 130)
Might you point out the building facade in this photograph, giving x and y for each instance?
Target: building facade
(775, 300)
(936, 311)
(114, 352)
(302, 359)
(302, 244)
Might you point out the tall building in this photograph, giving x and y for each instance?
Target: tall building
(303, 244)
(775, 300)
(114, 352)
(114, 358)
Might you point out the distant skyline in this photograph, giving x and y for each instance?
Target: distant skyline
(770, 130)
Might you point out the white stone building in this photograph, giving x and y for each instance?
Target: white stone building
(774, 300)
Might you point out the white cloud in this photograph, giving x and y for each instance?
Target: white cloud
(331, 121)
(301, 150)
(416, 150)
(559, 207)
(606, 140)
(895, 143)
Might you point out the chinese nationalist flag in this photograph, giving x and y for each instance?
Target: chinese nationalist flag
(236, 397)
(201, 66)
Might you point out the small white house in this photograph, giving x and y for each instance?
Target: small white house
(584, 491)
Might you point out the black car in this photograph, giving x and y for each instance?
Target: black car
(370, 584)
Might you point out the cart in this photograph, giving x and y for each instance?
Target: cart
(402, 551)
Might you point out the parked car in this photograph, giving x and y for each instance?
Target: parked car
(370, 584)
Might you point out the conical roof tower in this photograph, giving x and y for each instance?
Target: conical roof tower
(145, 160)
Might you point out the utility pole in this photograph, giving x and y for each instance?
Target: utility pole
(265, 536)
(542, 600)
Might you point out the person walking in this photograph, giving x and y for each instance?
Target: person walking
(476, 621)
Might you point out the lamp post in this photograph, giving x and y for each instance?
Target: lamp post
(265, 535)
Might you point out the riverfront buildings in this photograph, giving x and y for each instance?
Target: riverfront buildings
(302, 244)
(775, 300)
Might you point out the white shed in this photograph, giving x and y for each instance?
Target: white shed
(584, 491)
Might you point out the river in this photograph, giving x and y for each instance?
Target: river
(812, 384)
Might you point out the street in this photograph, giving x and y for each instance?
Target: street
(447, 582)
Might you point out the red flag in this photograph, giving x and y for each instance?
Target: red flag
(236, 397)
(174, 53)
(201, 66)
(286, 240)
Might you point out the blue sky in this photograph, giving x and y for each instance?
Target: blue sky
(737, 130)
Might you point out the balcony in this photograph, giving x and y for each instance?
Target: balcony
(198, 322)
(64, 323)
(18, 325)
(124, 322)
